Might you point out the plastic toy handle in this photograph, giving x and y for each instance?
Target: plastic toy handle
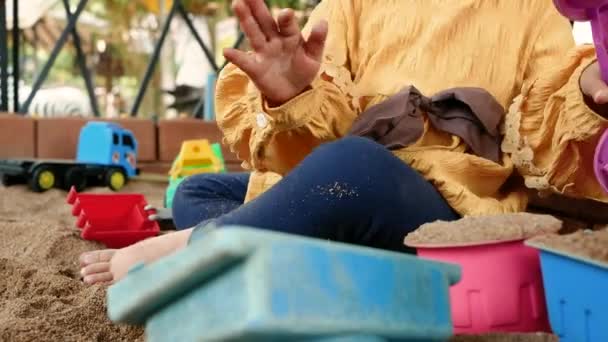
(596, 12)
(149, 212)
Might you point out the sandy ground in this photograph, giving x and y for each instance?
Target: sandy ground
(41, 295)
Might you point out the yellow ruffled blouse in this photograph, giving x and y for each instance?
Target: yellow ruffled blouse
(521, 51)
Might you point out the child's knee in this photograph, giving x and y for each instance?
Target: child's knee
(188, 189)
(200, 184)
(353, 145)
(362, 154)
(355, 148)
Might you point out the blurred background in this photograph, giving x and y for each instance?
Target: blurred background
(118, 40)
(126, 72)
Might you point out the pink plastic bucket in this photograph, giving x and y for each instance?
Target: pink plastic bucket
(501, 288)
(600, 163)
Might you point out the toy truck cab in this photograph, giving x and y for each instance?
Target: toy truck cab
(108, 144)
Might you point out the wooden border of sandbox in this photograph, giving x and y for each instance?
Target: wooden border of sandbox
(56, 138)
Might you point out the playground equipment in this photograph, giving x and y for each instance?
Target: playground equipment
(73, 14)
(106, 155)
(177, 8)
(195, 157)
(240, 284)
(116, 220)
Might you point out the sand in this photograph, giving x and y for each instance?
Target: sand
(41, 295)
(586, 243)
(483, 229)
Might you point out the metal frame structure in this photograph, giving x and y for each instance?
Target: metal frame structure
(177, 8)
(82, 62)
(16, 51)
(200, 106)
(3, 57)
(70, 30)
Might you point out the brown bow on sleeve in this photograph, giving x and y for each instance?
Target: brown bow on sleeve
(473, 114)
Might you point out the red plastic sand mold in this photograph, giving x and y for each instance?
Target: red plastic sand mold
(116, 220)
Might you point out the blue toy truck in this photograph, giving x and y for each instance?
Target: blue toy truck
(106, 156)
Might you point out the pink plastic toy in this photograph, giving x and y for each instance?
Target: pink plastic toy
(500, 290)
(595, 11)
(600, 163)
(116, 220)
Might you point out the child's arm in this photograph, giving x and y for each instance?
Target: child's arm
(276, 139)
(551, 133)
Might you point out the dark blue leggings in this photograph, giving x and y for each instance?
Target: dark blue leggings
(352, 190)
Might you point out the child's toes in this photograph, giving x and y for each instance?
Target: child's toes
(105, 277)
(93, 257)
(100, 267)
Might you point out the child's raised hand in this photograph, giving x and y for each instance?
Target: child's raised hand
(282, 64)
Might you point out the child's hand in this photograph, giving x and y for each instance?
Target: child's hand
(282, 64)
(593, 86)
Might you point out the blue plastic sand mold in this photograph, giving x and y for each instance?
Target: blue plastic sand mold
(575, 290)
(239, 284)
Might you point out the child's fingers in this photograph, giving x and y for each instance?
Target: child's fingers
(100, 267)
(316, 41)
(249, 25)
(263, 17)
(242, 60)
(592, 84)
(287, 23)
(601, 96)
(98, 278)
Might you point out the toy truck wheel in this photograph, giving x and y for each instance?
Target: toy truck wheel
(116, 179)
(75, 177)
(43, 179)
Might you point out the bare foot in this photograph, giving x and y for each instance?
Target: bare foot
(95, 266)
(111, 265)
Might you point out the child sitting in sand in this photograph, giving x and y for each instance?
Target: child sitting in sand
(383, 116)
